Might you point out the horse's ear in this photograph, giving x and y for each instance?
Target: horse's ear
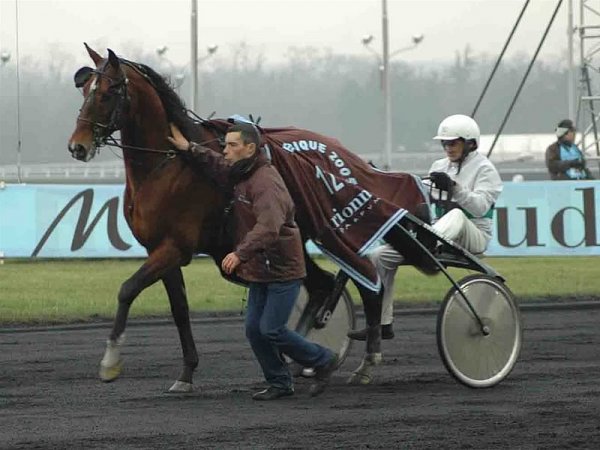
(113, 60)
(95, 56)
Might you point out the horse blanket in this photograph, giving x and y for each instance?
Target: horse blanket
(343, 204)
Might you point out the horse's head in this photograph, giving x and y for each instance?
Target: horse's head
(104, 107)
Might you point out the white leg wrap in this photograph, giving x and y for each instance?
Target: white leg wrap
(110, 366)
(364, 373)
(181, 387)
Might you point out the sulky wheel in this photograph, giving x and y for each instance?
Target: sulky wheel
(475, 357)
(333, 334)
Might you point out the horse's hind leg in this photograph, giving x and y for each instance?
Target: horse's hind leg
(318, 282)
(372, 306)
(159, 263)
(175, 286)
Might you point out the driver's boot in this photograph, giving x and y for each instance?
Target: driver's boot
(363, 374)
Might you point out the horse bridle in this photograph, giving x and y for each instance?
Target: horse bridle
(118, 114)
(101, 132)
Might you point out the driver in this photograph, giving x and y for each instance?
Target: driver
(466, 187)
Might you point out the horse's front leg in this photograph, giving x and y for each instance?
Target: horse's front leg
(159, 263)
(372, 301)
(175, 286)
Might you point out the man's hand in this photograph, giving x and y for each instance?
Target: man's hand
(441, 180)
(576, 164)
(178, 140)
(230, 263)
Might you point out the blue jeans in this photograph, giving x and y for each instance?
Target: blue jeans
(269, 308)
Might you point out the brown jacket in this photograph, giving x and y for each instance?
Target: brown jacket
(266, 237)
(557, 167)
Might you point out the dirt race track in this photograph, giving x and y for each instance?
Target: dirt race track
(50, 396)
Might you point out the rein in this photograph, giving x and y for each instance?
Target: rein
(115, 143)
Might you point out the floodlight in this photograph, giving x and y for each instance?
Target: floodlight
(417, 38)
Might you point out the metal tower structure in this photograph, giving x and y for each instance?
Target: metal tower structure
(588, 91)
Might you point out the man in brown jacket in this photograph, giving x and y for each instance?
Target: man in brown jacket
(563, 158)
(267, 254)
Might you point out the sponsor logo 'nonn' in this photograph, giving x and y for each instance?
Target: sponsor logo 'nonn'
(346, 213)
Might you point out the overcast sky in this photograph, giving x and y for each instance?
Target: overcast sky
(271, 26)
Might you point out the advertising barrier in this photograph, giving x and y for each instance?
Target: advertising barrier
(58, 221)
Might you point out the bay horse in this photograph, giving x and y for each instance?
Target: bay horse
(172, 209)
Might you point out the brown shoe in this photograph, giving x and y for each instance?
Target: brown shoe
(387, 332)
(322, 376)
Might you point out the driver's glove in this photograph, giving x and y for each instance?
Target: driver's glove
(441, 180)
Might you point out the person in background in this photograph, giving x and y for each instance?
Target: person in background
(564, 160)
(466, 187)
(267, 254)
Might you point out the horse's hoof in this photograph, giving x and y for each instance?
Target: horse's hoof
(181, 387)
(111, 373)
(363, 374)
(359, 379)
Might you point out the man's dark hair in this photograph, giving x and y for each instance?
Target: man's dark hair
(566, 123)
(248, 133)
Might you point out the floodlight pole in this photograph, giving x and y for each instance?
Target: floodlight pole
(194, 55)
(571, 70)
(385, 81)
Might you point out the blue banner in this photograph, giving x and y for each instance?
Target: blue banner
(531, 218)
(547, 218)
(65, 221)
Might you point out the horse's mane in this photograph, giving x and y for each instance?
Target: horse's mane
(175, 108)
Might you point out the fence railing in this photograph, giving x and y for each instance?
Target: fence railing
(104, 172)
(111, 172)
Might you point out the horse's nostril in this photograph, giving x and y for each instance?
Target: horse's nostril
(77, 150)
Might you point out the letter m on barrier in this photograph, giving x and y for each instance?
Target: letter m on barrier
(82, 231)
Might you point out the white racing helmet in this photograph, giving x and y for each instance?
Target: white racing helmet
(458, 126)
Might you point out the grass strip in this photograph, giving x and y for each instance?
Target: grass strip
(73, 290)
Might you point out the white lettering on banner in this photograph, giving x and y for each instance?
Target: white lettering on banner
(303, 146)
(341, 165)
(309, 145)
(333, 185)
(350, 211)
